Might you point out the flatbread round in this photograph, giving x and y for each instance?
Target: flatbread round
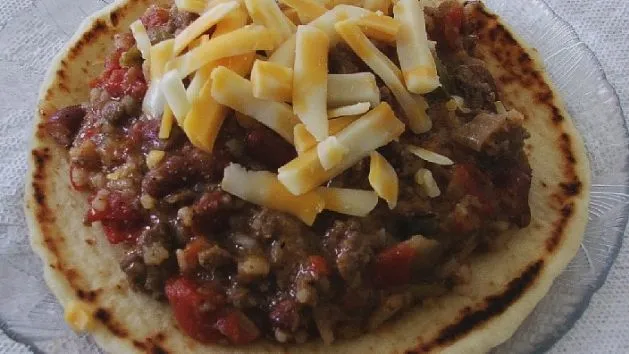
(80, 265)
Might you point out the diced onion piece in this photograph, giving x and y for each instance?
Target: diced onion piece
(142, 40)
(304, 140)
(378, 5)
(346, 89)
(310, 80)
(354, 202)
(196, 6)
(380, 27)
(292, 15)
(429, 156)
(351, 110)
(375, 129)
(241, 41)
(457, 102)
(160, 54)
(236, 92)
(414, 106)
(154, 157)
(202, 24)
(307, 10)
(78, 316)
(166, 125)
(285, 53)
(268, 13)
(416, 61)
(429, 185)
(174, 91)
(383, 179)
(272, 81)
(263, 188)
(330, 152)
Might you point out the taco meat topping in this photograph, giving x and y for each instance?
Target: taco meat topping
(254, 218)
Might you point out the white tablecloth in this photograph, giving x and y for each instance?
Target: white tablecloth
(30, 35)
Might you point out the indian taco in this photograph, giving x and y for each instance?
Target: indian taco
(301, 176)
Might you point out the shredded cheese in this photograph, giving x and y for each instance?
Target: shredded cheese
(154, 157)
(354, 202)
(351, 110)
(236, 92)
(202, 24)
(347, 89)
(429, 156)
(330, 152)
(378, 5)
(166, 125)
(416, 61)
(205, 118)
(305, 172)
(154, 100)
(269, 14)
(310, 85)
(304, 140)
(241, 41)
(193, 91)
(272, 81)
(196, 6)
(172, 86)
(78, 316)
(380, 27)
(292, 15)
(307, 10)
(285, 53)
(263, 188)
(414, 106)
(383, 179)
(142, 40)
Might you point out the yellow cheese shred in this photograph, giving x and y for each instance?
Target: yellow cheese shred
(383, 179)
(263, 188)
(304, 140)
(354, 202)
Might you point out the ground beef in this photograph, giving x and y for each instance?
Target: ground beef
(475, 84)
(343, 60)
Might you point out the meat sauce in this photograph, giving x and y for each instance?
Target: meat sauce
(232, 271)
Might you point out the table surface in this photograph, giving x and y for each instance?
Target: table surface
(599, 23)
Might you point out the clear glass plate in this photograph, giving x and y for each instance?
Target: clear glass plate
(30, 315)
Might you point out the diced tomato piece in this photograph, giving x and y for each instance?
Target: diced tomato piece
(186, 301)
(191, 252)
(121, 232)
(319, 266)
(155, 16)
(393, 266)
(468, 179)
(237, 327)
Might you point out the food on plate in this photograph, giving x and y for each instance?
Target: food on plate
(303, 175)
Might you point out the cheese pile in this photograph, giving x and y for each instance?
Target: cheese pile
(332, 120)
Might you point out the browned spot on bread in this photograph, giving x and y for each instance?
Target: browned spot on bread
(114, 17)
(558, 227)
(139, 345)
(543, 184)
(491, 307)
(158, 350)
(89, 295)
(566, 148)
(115, 328)
(571, 188)
(160, 337)
(90, 242)
(99, 26)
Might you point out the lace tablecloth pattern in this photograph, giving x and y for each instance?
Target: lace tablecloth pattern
(33, 31)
